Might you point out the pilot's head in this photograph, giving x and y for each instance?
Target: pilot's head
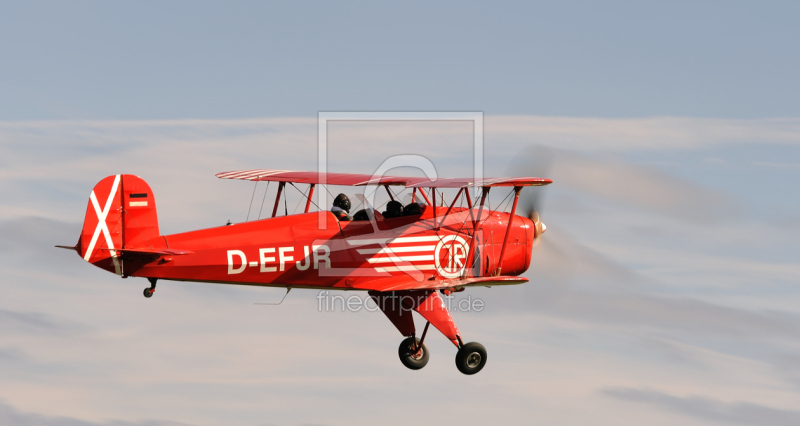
(394, 207)
(412, 209)
(342, 202)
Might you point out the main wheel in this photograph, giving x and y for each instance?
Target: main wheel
(471, 358)
(411, 358)
(148, 292)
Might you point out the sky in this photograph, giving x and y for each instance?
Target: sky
(664, 291)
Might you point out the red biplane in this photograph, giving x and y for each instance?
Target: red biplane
(403, 262)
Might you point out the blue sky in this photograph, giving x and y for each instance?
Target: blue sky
(252, 59)
(665, 291)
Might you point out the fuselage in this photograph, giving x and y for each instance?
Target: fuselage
(315, 250)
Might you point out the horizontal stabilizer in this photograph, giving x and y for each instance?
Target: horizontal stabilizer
(68, 247)
(144, 253)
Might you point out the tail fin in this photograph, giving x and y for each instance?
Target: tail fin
(121, 214)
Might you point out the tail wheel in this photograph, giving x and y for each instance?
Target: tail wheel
(412, 355)
(471, 358)
(148, 292)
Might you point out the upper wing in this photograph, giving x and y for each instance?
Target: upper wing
(398, 283)
(354, 179)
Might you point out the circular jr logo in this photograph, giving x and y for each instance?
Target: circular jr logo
(450, 256)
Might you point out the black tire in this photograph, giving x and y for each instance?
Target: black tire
(409, 358)
(148, 293)
(471, 358)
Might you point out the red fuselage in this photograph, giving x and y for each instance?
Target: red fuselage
(315, 250)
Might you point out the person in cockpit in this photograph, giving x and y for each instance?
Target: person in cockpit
(412, 209)
(393, 209)
(341, 207)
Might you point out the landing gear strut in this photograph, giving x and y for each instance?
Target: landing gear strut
(148, 291)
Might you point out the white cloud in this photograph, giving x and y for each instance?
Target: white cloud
(11, 416)
(45, 159)
(653, 133)
(606, 307)
(707, 408)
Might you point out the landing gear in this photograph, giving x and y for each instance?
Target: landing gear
(148, 291)
(471, 358)
(413, 353)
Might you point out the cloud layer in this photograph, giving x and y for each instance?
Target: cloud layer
(646, 280)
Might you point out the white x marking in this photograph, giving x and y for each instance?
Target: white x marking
(102, 226)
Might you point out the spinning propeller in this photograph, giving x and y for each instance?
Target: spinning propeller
(534, 161)
(529, 203)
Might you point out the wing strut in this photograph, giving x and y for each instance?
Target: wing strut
(475, 228)
(278, 198)
(448, 209)
(310, 193)
(433, 195)
(508, 229)
(422, 191)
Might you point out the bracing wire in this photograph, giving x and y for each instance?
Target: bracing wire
(262, 200)
(463, 227)
(382, 205)
(303, 193)
(393, 194)
(328, 191)
(504, 202)
(355, 209)
(306, 197)
(251, 201)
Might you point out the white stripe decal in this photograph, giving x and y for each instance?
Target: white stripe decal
(138, 204)
(399, 259)
(395, 249)
(254, 173)
(101, 217)
(415, 239)
(102, 226)
(250, 174)
(245, 174)
(405, 268)
(399, 240)
(239, 174)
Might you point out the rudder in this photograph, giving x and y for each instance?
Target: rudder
(121, 213)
